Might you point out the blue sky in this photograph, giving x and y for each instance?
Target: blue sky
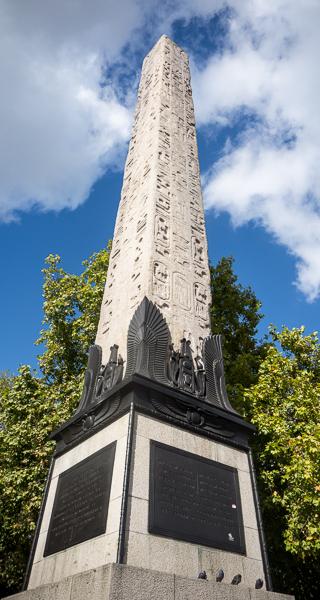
(69, 74)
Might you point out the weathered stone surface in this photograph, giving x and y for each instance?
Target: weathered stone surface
(263, 595)
(123, 582)
(207, 590)
(144, 549)
(175, 556)
(130, 582)
(52, 591)
(160, 246)
(92, 585)
(96, 551)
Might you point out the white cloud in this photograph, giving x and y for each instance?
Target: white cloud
(60, 130)
(271, 174)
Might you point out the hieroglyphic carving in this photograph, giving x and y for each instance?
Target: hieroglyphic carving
(161, 280)
(201, 301)
(159, 247)
(163, 202)
(141, 224)
(180, 206)
(181, 291)
(162, 230)
(181, 249)
(198, 250)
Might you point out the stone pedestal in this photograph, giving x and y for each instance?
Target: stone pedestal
(135, 416)
(123, 582)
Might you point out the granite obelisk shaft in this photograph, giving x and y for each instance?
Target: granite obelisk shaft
(160, 246)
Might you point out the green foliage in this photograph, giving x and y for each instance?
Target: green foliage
(33, 405)
(276, 386)
(235, 314)
(284, 404)
(28, 414)
(71, 313)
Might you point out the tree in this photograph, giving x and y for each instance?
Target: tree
(235, 313)
(28, 414)
(284, 404)
(34, 404)
(71, 313)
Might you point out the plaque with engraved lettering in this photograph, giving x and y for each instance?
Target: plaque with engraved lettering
(194, 499)
(81, 502)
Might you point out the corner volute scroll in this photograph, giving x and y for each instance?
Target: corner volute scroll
(99, 379)
(148, 343)
(90, 378)
(214, 369)
(110, 374)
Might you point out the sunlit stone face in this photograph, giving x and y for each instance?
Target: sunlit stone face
(160, 246)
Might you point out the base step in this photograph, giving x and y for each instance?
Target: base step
(123, 582)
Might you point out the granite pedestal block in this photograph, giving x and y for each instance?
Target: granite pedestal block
(128, 536)
(124, 582)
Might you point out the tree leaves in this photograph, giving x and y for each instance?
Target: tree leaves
(71, 313)
(33, 404)
(235, 313)
(284, 404)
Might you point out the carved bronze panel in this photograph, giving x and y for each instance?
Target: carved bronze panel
(81, 502)
(194, 499)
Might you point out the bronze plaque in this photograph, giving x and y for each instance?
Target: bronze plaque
(81, 502)
(194, 499)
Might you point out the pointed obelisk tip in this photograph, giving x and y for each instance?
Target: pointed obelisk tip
(165, 38)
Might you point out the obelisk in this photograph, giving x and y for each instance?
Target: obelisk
(160, 247)
(152, 482)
